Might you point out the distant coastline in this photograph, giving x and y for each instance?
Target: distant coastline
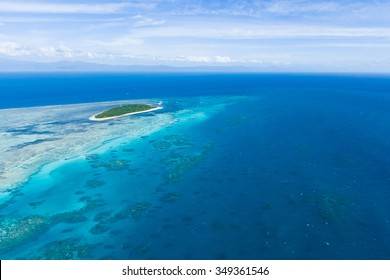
(119, 115)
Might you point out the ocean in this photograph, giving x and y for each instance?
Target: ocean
(235, 166)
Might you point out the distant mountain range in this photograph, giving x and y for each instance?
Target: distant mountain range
(9, 65)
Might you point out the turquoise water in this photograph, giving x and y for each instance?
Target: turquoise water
(280, 171)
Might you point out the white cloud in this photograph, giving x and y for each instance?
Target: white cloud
(211, 59)
(227, 30)
(49, 8)
(60, 51)
(65, 52)
(224, 33)
(14, 49)
(336, 12)
(188, 59)
(256, 8)
(298, 7)
(48, 51)
(193, 58)
(118, 43)
(145, 21)
(223, 59)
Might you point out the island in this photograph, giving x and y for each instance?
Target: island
(123, 110)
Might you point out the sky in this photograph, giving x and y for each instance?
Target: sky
(296, 35)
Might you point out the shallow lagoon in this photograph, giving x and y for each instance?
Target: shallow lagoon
(273, 174)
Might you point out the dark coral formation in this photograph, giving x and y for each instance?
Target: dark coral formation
(170, 197)
(330, 208)
(140, 250)
(177, 140)
(172, 140)
(93, 204)
(94, 183)
(67, 249)
(102, 216)
(92, 157)
(177, 165)
(37, 203)
(15, 231)
(71, 217)
(132, 211)
(162, 145)
(99, 228)
(117, 165)
(113, 165)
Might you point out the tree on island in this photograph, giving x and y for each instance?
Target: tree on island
(124, 109)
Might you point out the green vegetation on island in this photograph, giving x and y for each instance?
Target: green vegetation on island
(124, 109)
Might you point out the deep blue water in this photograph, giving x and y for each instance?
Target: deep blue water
(25, 90)
(299, 169)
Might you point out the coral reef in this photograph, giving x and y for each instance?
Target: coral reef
(92, 157)
(330, 208)
(170, 197)
(162, 145)
(178, 165)
(99, 228)
(116, 165)
(140, 250)
(14, 231)
(133, 211)
(37, 203)
(177, 140)
(94, 183)
(67, 249)
(172, 140)
(113, 165)
(71, 217)
(102, 216)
